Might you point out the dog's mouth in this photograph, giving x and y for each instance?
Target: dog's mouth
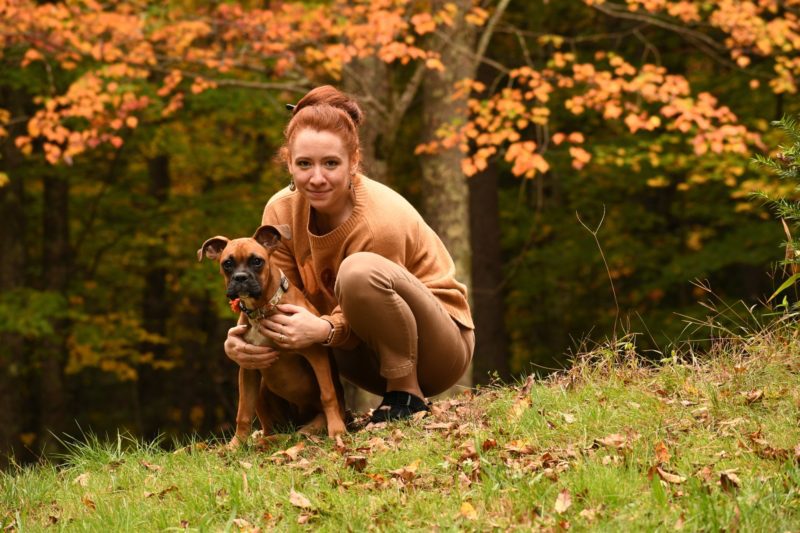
(244, 290)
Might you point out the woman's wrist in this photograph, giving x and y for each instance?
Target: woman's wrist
(328, 332)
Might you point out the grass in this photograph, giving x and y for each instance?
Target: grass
(613, 444)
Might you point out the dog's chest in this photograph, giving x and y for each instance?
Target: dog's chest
(254, 336)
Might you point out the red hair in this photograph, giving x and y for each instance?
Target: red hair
(326, 108)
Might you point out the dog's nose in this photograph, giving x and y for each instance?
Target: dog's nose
(239, 277)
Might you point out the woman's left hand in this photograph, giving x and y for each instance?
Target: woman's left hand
(295, 327)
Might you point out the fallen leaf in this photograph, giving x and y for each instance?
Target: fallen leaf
(407, 473)
(662, 453)
(568, 418)
(299, 500)
(88, 502)
(241, 523)
(292, 452)
(440, 426)
(519, 407)
(304, 518)
(669, 477)
(563, 501)
(615, 440)
(797, 453)
(680, 523)
(754, 396)
(245, 464)
(488, 444)
(150, 466)
(356, 462)
(468, 511)
(468, 452)
(82, 480)
(729, 481)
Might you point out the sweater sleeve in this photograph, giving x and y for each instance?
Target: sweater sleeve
(283, 255)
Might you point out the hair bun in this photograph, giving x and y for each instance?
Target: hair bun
(329, 95)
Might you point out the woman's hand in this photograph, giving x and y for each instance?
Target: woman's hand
(248, 355)
(295, 327)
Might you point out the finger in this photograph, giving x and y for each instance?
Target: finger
(252, 349)
(238, 331)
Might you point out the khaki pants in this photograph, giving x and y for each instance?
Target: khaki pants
(402, 325)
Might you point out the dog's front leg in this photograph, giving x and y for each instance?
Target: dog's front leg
(249, 385)
(318, 356)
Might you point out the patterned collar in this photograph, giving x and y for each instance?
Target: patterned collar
(269, 308)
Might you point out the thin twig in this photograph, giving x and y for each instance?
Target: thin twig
(608, 270)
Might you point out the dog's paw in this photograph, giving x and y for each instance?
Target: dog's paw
(235, 443)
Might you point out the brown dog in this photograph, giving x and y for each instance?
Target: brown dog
(299, 388)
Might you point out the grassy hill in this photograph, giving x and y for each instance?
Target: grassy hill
(613, 444)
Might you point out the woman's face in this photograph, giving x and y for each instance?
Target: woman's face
(320, 166)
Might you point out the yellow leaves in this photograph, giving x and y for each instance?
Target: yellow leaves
(476, 16)
(467, 510)
(4, 180)
(580, 157)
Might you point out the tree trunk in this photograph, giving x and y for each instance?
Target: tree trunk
(12, 276)
(56, 266)
(154, 313)
(491, 345)
(368, 80)
(446, 195)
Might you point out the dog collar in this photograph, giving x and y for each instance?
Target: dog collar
(269, 308)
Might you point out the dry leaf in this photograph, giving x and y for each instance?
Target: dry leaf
(184, 524)
(304, 518)
(407, 473)
(729, 480)
(150, 466)
(467, 452)
(468, 511)
(82, 480)
(293, 452)
(87, 501)
(568, 418)
(563, 501)
(241, 523)
(299, 500)
(615, 440)
(356, 462)
(519, 407)
(669, 477)
(245, 464)
(662, 453)
(488, 444)
(754, 395)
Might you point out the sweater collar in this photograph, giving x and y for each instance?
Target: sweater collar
(335, 236)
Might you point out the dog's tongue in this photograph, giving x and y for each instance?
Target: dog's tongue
(235, 305)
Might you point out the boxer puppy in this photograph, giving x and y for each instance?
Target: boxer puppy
(300, 388)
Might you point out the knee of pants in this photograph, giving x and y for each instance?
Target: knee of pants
(355, 277)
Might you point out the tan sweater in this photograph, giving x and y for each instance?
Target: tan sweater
(382, 222)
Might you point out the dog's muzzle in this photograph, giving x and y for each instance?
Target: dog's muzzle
(243, 283)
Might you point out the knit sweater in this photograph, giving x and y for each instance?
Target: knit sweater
(381, 222)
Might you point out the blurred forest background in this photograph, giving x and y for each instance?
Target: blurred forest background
(132, 130)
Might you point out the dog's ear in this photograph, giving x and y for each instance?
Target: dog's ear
(212, 247)
(269, 236)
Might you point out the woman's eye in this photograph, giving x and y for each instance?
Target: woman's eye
(303, 164)
(331, 164)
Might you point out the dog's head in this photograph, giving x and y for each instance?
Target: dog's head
(244, 262)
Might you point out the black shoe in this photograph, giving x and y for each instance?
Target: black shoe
(397, 405)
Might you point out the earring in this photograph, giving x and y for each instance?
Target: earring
(292, 186)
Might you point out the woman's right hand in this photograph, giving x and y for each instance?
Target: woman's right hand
(248, 355)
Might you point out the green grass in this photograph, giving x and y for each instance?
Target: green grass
(727, 430)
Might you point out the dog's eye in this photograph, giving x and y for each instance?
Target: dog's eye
(257, 262)
(227, 264)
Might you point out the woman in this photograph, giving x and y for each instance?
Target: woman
(393, 312)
